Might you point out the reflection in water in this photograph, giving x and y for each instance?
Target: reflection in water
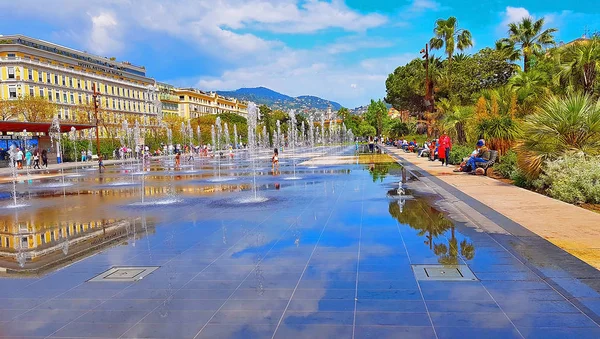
(37, 245)
(380, 170)
(432, 224)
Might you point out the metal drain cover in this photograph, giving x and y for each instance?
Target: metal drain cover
(124, 274)
(443, 272)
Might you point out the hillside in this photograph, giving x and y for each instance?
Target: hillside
(276, 100)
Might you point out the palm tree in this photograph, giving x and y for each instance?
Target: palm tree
(449, 35)
(498, 124)
(529, 38)
(457, 119)
(561, 125)
(508, 49)
(530, 87)
(580, 64)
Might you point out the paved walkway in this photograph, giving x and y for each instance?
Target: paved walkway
(574, 229)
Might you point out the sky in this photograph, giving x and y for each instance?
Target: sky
(337, 50)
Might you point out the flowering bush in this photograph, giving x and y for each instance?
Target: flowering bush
(573, 178)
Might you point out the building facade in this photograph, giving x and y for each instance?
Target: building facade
(194, 103)
(67, 77)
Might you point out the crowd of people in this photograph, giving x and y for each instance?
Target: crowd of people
(440, 149)
(30, 159)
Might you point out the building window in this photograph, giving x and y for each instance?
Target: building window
(48, 77)
(50, 95)
(30, 74)
(60, 113)
(40, 77)
(56, 79)
(57, 96)
(63, 80)
(113, 103)
(31, 92)
(11, 56)
(72, 98)
(12, 92)
(65, 97)
(79, 97)
(105, 88)
(71, 82)
(41, 92)
(87, 99)
(67, 113)
(11, 72)
(85, 83)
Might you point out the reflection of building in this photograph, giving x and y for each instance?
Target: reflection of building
(194, 103)
(32, 67)
(37, 246)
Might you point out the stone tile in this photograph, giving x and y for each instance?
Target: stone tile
(389, 294)
(258, 317)
(241, 331)
(570, 320)
(473, 332)
(393, 332)
(311, 331)
(318, 318)
(163, 330)
(19, 328)
(161, 316)
(93, 330)
(463, 306)
(559, 333)
(112, 316)
(392, 319)
(408, 306)
(478, 319)
(322, 305)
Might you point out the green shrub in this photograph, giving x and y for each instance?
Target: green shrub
(507, 164)
(573, 178)
(520, 179)
(458, 153)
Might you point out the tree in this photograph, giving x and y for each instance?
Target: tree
(528, 38)
(405, 87)
(561, 125)
(580, 63)
(35, 109)
(376, 115)
(531, 87)
(7, 110)
(497, 124)
(344, 113)
(457, 119)
(449, 35)
(85, 113)
(507, 50)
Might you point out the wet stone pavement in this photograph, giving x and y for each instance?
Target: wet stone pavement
(330, 255)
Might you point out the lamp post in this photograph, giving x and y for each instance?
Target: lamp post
(428, 89)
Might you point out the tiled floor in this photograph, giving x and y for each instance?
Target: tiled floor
(329, 257)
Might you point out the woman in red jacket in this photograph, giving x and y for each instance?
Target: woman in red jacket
(444, 149)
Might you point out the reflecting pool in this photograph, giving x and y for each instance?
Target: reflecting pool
(330, 255)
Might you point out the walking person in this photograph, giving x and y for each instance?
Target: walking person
(83, 156)
(275, 160)
(177, 160)
(444, 149)
(45, 158)
(19, 158)
(100, 163)
(36, 159)
(28, 157)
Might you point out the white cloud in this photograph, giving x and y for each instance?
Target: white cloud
(424, 5)
(510, 15)
(351, 44)
(104, 35)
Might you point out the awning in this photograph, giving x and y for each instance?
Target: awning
(19, 126)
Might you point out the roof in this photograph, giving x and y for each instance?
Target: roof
(19, 126)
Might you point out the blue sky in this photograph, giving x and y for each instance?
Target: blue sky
(338, 50)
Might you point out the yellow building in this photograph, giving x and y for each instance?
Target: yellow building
(194, 103)
(66, 77)
(169, 101)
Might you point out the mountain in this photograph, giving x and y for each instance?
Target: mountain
(276, 100)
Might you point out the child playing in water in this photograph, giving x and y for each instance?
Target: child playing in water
(177, 160)
(100, 163)
(275, 159)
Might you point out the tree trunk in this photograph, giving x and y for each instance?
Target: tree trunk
(525, 62)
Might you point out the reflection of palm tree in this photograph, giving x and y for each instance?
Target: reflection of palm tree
(432, 224)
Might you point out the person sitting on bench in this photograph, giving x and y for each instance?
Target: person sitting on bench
(482, 151)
